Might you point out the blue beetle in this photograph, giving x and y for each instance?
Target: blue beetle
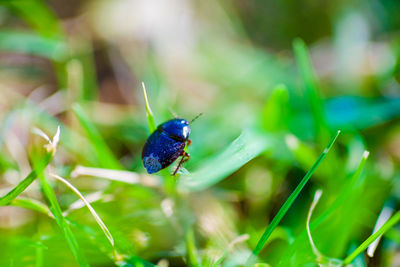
(166, 144)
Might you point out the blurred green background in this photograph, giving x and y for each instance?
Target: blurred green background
(274, 80)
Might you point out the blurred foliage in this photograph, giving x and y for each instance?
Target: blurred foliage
(275, 81)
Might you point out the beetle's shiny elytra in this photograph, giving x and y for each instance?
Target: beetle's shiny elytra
(165, 145)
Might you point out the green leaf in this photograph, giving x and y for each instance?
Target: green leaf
(33, 44)
(275, 110)
(243, 149)
(191, 250)
(103, 152)
(37, 14)
(311, 87)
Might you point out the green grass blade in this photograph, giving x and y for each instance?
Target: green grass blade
(275, 110)
(39, 256)
(278, 217)
(311, 86)
(149, 114)
(104, 154)
(244, 148)
(33, 44)
(31, 204)
(191, 250)
(38, 15)
(61, 221)
(89, 206)
(342, 198)
(27, 181)
(89, 79)
(388, 225)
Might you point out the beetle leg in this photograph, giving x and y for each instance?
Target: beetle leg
(185, 157)
(189, 142)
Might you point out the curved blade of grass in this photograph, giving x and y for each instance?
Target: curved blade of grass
(244, 148)
(388, 225)
(311, 87)
(104, 154)
(317, 253)
(288, 203)
(91, 209)
(149, 114)
(27, 181)
(61, 221)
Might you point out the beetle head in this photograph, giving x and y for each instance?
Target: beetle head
(178, 129)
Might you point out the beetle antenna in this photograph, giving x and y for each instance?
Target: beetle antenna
(195, 118)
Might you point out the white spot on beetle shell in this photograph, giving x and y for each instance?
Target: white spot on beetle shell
(152, 164)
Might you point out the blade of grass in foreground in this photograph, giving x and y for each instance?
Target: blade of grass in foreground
(61, 221)
(191, 250)
(38, 15)
(344, 195)
(27, 181)
(278, 217)
(93, 212)
(388, 225)
(103, 153)
(244, 148)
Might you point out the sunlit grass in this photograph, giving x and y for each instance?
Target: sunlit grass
(268, 114)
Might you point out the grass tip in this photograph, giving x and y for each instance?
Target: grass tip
(56, 137)
(146, 100)
(317, 195)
